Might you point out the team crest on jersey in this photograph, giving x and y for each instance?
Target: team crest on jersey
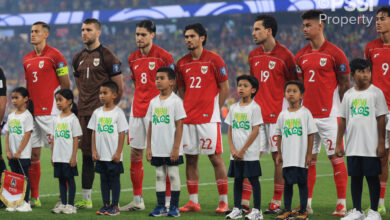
(41, 63)
(271, 65)
(152, 65)
(96, 61)
(204, 69)
(323, 61)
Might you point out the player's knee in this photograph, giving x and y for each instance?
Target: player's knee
(192, 160)
(216, 160)
(136, 153)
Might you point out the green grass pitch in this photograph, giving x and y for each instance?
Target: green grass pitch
(324, 199)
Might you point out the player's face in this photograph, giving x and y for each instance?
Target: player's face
(62, 103)
(311, 28)
(362, 78)
(382, 22)
(293, 94)
(143, 37)
(106, 96)
(162, 81)
(17, 100)
(259, 32)
(89, 34)
(38, 34)
(193, 40)
(245, 89)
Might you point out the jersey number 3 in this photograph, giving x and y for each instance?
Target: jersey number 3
(35, 76)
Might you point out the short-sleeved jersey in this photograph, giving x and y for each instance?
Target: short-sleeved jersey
(64, 130)
(163, 114)
(294, 127)
(379, 56)
(201, 79)
(360, 110)
(93, 68)
(3, 83)
(319, 70)
(107, 126)
(273, 70)
(242, 119)
(41, 73)
(144, 69)
(17, 125)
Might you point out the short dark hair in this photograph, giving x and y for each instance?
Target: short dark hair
(94, 21)
(252, 80)
(171, 74)
(358, 64)
(111, 85)
(148, 25)
(43, 24)
(312, 14)
(199, 29)
(24, 93)
(384, 9)
(297, 83)
(269, 21)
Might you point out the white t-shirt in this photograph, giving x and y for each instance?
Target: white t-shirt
(107, 126)
(17, 125)
(294, 127)
(64, 130)
(163, 114)
(242, 119)
(360, 109)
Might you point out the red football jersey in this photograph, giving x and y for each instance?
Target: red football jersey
(201, 80)
(379, 56)
(41, 73)
(273, 70)
(144, 69)
(319, 70)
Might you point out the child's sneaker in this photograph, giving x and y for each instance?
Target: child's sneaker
(112, 210)
(254, 215)
(25, 207)
(273, 208)
(159, 211)
(303, 215)
(84, 204)
(173, 211)
(354, 215)
(10, 209)
(69, 209)
(236, 213)
(286, 215)
(58, 209)
(373, 215)
(35, 202)
(102, 210)
(340, 211)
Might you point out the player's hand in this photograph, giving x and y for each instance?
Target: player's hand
(339, 151)
(72, 162)
(95, 156)
(148, 154)
(9, 156)
(308, 160)
(17, 155)
(381, 151)
(279, 159)
(174, 155)
(116, 158)
(240, 155)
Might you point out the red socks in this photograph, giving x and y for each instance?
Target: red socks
(340, 177)
(34, 174)
(222, 185)
(137, 175)
(192, 186)
(278, 191)
(311, 178)
(167, 187)
(383, 190)
(246, 192)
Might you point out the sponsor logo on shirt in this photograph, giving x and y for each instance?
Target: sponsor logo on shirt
(152, 65)
(115, 68)
(105, 125)
(62, 131)
(359, 107)
(304, 61)
(343, 67)
(15, 127)
(96, 61)
(188, 70)
(240, 121)
(222, 70)
(160, 115)
(377, 54)
(292, 127)
(271, 65)
(81, 62)
(41, 63)
(136, 66)
(257, 63)
(204, 69)
(323, 61)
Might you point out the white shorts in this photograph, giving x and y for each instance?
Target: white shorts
(267, 138)
(327, 135)
(202, 139)
(43, 126)
(138, 130)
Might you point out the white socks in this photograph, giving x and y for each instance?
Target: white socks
(87, 194)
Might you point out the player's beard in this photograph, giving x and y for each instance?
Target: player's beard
(145, 45)
(90, 42)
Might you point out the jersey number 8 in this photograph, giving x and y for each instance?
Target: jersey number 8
(144, 78)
